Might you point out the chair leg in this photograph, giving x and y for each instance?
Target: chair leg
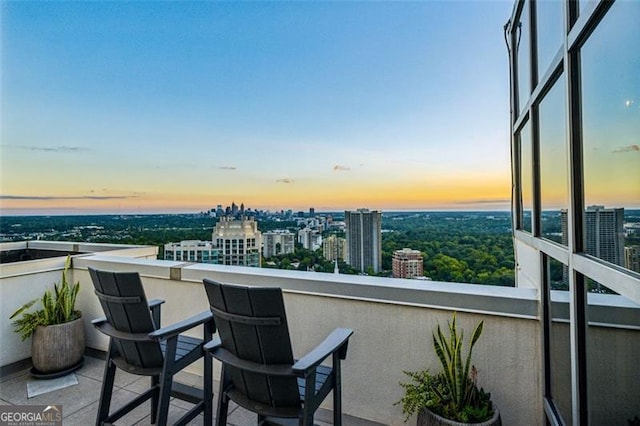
(223, 400)
(155, 380)
(107, 389)
(223, 408)
(162, 411)
(208, 390)
(307, 418)
(309, 400)
(337, 393)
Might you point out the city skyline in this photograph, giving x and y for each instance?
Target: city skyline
(162, 107)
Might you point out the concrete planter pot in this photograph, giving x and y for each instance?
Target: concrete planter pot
(57, 348)
(429, 418)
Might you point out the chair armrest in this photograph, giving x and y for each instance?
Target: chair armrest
(98, 321)
(179, 327)
(155, 302)
(221, 354)
(212, 344)
(104, 327)
(336, 341)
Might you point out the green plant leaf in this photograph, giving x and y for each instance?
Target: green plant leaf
(23, 308)
(57, 307)
(453, 393)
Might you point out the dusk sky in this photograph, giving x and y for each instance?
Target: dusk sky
(142, 107)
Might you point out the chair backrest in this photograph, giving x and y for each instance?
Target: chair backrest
(125, 305)
(252, 325)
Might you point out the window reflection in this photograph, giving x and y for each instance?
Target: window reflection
(549, 32)
(524, 63)
(526, 178)
(553, 164)
(611, 125)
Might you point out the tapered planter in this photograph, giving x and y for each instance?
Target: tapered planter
(429, 418)
(57, 348)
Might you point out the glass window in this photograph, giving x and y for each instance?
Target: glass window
(549, 32)
(611, 125)
(553, 163)
(613, 350)
(559, 350)
(524, 62)
(581, 5)
(526, 178)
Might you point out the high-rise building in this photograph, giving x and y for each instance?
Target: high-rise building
(238, 240)
(310, 238)
(604, 230)
(334, 248)
(364, 239)
(278, 242)
(604, 233)
(407, 263)
(192, 251)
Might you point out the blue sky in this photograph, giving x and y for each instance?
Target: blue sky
(179, 106)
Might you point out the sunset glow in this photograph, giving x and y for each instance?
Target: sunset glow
(118, 107)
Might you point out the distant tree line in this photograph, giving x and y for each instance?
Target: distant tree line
(457, 247)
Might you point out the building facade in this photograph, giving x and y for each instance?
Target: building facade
(574, 68)
(364, 239)
(192, 251)
(238, 240)
(278, 242)
(334, 248)
(311, 239)
(632, 258)
(407, 263)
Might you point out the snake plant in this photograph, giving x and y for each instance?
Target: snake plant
(58, 307)
(452, 393)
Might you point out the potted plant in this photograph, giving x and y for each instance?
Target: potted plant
(450, 397)
(56, 329)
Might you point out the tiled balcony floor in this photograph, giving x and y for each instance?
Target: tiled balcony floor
(80, 402)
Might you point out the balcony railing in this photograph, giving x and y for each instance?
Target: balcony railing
(392, 321)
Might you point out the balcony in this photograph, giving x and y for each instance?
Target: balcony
(392, 319)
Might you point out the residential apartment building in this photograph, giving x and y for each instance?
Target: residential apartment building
(604, 233)
(407, 263)
(278, 242)
(334, 248)
(238, 240)
(364, 239)
(311, 239)
(632, 258)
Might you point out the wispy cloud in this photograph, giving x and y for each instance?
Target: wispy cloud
(485, 201)
(79, 197)
(339, 168)
(285, 180)
(227, 167)
(60, 148)
(628, 148)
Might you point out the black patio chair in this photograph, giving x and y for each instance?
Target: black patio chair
(259, 372)
(138, 345)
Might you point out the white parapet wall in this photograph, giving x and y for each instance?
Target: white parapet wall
(391, 334)
(392, 321)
